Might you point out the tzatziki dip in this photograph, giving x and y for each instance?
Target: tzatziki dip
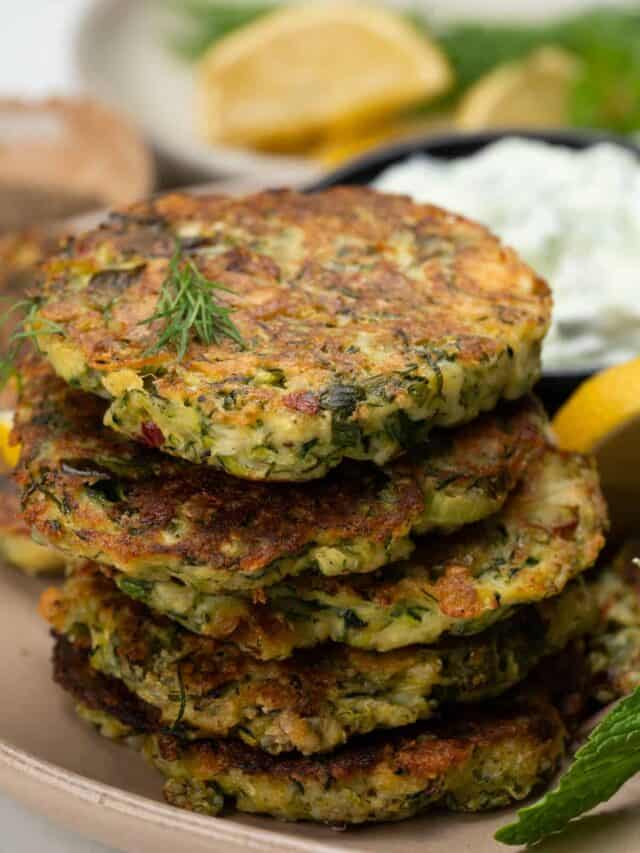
(574, 216)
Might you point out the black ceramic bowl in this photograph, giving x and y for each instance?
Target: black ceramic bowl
(555, 386)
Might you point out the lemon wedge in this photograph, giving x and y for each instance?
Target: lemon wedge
(344, 147)
(9, 453)
(603, 417)
(533, 92)
(289, 79)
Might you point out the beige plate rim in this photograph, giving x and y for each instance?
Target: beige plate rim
(13, 760)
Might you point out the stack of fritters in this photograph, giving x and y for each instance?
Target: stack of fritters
(357, 646)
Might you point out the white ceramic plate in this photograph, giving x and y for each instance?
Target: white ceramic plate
(57, 765)
(122, 57)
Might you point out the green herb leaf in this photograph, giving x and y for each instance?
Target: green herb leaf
(188, 305)
(136, 588)
(607, 760)
(607, 93)
(23, 333)
(475, 49)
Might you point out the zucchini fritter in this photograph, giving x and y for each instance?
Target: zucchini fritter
(315, 700)
(551, 529)
(474, 761)
(366, 320)
(103, 497)
(480, 761)
(16, 545)
(614, 652)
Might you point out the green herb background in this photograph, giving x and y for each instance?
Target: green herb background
(610, 756)
(607, 42)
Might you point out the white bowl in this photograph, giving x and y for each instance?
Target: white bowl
(122, 58)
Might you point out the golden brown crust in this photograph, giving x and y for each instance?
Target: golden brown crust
(71, 670)
(423, 750)
(98, 495)
(314, 700)
(448, 247)
(412, 309)
(551, 529)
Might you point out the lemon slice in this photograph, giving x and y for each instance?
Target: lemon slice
(9, 453)
(344, 147)
(603, 417)
(534, 92)
(292, 76)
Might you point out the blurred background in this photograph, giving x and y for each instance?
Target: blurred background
(106, 101)
(103, 102)
(286, 101)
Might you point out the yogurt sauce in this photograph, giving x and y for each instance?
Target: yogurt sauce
(573, 215)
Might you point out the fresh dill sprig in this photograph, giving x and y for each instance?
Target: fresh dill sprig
(23, 333)
(188, 304)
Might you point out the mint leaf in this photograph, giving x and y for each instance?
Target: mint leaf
(610, 756)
